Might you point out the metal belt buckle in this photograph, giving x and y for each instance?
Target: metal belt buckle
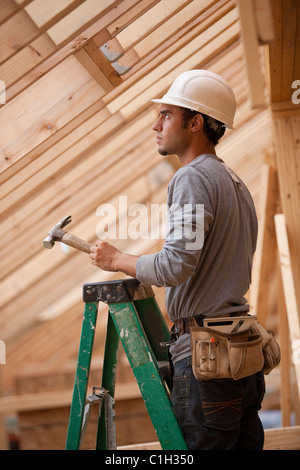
(174, 332)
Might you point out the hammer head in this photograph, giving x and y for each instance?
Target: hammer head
(56, 233)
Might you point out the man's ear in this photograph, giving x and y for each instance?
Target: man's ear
(197, 122)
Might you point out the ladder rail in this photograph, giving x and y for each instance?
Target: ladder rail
(146, 371)
(82, 375)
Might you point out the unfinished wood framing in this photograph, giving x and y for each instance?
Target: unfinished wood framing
(275, 439)
(251, 40)
(76, 132)
(265, 261)
(287, 131)
(289, 294)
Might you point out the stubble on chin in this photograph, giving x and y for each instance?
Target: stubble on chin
(163, 152)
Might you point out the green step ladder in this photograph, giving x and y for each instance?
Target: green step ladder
(134, 318)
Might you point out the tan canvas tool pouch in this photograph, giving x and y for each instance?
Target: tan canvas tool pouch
(226, 352)
(271, 349)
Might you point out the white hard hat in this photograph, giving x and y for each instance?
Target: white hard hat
(203, 91)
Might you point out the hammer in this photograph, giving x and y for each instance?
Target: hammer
(57, 234)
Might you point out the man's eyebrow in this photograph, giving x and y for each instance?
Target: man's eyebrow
(165, 111)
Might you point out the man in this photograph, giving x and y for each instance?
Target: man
(207, 277)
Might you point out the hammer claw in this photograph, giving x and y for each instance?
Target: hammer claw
(65, 221)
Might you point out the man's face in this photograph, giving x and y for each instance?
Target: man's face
(171, 137)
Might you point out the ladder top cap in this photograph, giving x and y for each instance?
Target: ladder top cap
(116, 291)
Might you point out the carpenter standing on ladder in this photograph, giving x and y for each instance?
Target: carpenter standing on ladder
(204, 277)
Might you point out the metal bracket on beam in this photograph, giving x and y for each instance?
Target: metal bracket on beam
(120, 69)
(110, 55)
(113, 57)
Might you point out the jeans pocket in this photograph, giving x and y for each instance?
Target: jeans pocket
(221, 403)
(181, 368)
(181, 389)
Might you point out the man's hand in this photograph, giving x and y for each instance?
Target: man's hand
(105, 256)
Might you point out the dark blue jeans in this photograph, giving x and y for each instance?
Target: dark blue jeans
(220, 414)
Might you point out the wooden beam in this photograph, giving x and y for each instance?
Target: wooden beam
(140, 28)
(282, 438)
(86, 13)
(48, 106)
(103, 63)
(192, 11)
(8, 9)
(13, 37)
(284, 53)
(251, 51)
(57, 399)
(94, 70)
(137, 9)
(264, 21)
(286, 131)
(143, 446)
(26, 59)
(285, 348)
(3, 436)
(46, 14)
(275, 439)
(289, 292)
(264, 259)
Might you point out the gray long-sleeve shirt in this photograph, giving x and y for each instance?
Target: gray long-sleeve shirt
(210, 273)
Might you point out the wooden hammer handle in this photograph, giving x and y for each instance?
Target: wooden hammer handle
(75, 242)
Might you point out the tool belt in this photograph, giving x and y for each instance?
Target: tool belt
(232, 348)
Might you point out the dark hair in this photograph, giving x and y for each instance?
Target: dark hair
(212, 128)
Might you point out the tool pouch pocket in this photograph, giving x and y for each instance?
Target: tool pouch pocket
(217, 355)
(271, 349)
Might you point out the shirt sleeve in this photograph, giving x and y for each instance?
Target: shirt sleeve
(190, 215)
